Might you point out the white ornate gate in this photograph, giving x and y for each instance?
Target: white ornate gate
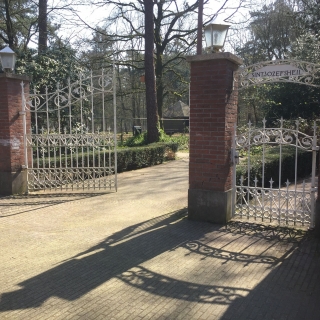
(71, 146)
(274, 198)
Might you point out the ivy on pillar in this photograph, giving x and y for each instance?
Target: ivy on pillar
(13, 172)
(213, 115)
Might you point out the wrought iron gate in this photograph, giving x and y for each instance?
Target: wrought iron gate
(71, 145)
(259, 196)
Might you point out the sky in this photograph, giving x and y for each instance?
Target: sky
(92, 15)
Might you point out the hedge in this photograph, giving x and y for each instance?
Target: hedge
(272, 166)
(145, 156)
(127, 158)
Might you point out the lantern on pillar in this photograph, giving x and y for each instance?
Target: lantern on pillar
(215, 34)
(8, 59)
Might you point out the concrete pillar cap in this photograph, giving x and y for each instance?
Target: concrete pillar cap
(216, 56)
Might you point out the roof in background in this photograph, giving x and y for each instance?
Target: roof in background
(178, 110)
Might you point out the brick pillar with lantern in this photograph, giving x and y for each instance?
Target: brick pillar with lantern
(13, 172)
(213, 115)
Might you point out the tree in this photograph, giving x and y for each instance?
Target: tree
(308, 15)
(43, 26)
(18, 20)
(168, 28)
(272, 30)
(23, 22)
(275, 32)
(101, 50)
(56, 65)
(173, 23)
(306, 46)
(151, 101)
(199, 30)
(174, 28)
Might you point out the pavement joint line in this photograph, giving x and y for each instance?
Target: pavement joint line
(125, 255)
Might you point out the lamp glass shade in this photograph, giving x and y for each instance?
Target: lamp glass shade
(8, 58)
(216, 34)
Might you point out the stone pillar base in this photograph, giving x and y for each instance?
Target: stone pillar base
(14, 182)
(211, 206)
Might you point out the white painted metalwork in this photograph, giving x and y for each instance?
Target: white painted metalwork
(293, 71)
(72, 146)
(262, 200)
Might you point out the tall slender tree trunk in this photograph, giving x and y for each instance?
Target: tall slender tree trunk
(199, 31)
(151, 99)
(160, 87)
(9, 25)
(43, 26)
(159, 60)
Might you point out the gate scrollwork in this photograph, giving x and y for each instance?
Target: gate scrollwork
(306, 73)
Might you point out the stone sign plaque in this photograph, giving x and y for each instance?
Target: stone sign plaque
(276, 71)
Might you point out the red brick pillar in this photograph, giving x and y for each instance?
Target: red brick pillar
(13, 174)
(213, 114)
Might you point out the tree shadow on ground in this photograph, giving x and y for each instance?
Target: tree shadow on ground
(14, 205)
(120, 255)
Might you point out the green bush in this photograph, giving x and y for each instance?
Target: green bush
(136, 141)
(141, 140)
(271, 169)
(145, 156)
(127, 158)
(181, 140)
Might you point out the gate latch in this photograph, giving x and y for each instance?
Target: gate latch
(234, 156)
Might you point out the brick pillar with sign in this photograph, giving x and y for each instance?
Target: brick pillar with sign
(13, 172)
(213, 115)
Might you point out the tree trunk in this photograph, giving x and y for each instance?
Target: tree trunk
(159, 59)
(200, 24)
(160, 87)
(151, 99)
(9, 25)
(43, 26)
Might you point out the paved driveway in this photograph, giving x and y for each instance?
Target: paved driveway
(134, 255)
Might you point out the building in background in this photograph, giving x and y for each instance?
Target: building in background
(176, 118)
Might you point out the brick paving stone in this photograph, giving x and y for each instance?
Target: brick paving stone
(134, 255)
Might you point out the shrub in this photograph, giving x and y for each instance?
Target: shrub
(144, 156)
(135, 141)
(141, 140)
(271, 168)
(127, 158)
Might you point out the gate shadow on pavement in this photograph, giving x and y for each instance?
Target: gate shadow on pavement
(14, 205)
(290, 291)
(120, 255)
(159, 284)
